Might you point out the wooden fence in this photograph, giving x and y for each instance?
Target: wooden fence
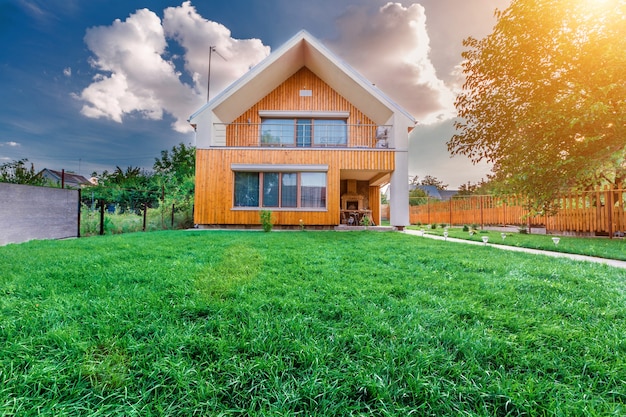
(600, 212)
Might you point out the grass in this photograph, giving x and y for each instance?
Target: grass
(305, 324)
(593, 246)
(116, 223)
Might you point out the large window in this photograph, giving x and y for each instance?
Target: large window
(246, 189)
(304, 132)
(280, 189)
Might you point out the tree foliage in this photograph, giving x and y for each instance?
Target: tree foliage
(131, 189)
(175, 172)
(545, 99)
(430, 180)
(16, 172)
(417, 197)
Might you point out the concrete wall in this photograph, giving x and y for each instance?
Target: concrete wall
(28, 212)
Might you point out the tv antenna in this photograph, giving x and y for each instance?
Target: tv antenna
(208, 87)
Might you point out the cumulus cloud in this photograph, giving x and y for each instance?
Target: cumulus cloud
(67, 72)
(138, 72)
(391, 48)
(137, 75)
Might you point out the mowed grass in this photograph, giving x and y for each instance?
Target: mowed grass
(305, 324)
(601, 247)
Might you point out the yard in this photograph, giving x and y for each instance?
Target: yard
(202, 323)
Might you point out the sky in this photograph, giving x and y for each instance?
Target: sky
(88, 85)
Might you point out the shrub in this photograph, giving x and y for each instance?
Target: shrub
(266, 220)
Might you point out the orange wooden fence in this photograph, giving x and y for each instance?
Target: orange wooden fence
(600, 212)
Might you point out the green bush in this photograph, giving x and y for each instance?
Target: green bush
(266, 220)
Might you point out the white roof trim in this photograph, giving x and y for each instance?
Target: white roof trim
(278, 168)
(303, 36)
(305, 114)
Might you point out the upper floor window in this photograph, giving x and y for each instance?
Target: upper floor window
(304, 132)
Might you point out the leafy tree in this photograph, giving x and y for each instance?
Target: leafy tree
(430, 180)
(174, 172)
(129, 189)
(16, 172)
(417, 197)
(467, 189)
(545, 98)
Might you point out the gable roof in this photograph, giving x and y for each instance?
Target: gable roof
(71, 179)
(303, 50)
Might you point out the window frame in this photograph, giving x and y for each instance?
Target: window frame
(304, 134)
(260, 198)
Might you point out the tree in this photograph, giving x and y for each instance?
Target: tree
(430, 180)
(417, 197)
(544, 97)
(131, 189)
(16, 172)
(175, 173)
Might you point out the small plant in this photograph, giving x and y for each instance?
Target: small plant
(266, 220)
(301, 222)
(523, 230)
(465, 228)
(443, 225)
(474, 226)
(366, 221)
(433, 226)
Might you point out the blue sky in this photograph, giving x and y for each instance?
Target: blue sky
(87, 85)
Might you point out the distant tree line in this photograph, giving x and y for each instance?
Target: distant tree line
(171, 181)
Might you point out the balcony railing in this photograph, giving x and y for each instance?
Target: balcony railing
(318, 135)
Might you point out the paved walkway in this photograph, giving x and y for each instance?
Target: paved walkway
(610, 262)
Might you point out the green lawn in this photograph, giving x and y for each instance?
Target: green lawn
(303, 324)
(592, 246)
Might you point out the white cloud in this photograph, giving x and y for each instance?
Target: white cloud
(137, 74)
(391, 48)
(67, 71)
(10, 143)
(134, 76)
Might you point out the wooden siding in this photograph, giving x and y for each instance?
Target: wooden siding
(374, 199)
(287, 97)
(215, 182)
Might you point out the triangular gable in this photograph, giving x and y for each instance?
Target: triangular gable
(303, 50)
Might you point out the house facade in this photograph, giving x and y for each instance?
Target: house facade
(303, 136)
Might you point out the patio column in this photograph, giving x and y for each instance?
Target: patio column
(399, 191)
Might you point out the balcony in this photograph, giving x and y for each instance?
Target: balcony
(329, 134)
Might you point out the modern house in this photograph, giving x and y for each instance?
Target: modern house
(304, 136)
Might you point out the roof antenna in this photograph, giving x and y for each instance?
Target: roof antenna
(208, 87)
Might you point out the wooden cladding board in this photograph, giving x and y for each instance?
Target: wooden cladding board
(287, 97)
(215, 181)
(592, 212)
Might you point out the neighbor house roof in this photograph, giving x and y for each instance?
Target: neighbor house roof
(302, 50)
(71, 179)
(434, 192)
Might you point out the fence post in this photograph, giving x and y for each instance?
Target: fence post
(78, 214)
(609, 205)
(450, 205)
(482, 218)
(101, 217)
